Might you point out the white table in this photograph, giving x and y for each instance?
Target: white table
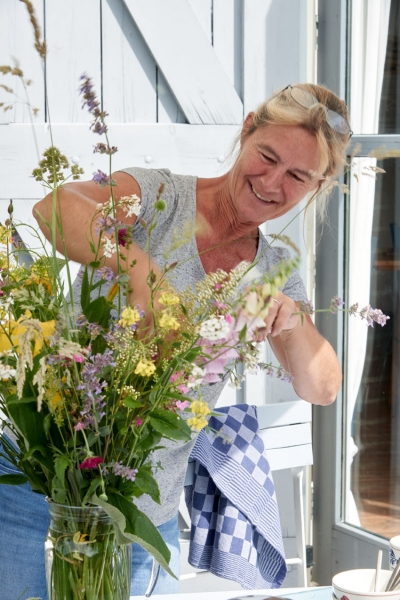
(227, 595)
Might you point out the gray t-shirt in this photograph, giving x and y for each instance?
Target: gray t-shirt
(180, 198)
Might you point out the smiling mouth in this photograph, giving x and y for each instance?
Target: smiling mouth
(259, 196)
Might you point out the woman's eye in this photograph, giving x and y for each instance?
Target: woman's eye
(266, 157)
(296, 178)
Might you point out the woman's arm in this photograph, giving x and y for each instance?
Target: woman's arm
(76, 206)
(302, 351)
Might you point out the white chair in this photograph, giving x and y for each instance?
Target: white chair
(286, 431)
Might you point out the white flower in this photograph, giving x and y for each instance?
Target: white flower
(215, 328)
(196, 376)
(7, 372)
(108, 247)
(130, 205)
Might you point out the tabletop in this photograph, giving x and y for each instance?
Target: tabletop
(312, 593)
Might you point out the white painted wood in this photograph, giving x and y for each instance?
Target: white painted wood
(300, 559)
(191, 67)
(14, 27)
(128, 69)
(168, 109)
(203, 9)
(182, 148)
(284, 413)
(284, 458)
(73, 37)
(282, 437)
(228, 39)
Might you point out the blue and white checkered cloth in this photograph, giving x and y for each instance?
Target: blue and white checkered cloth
(235, 530)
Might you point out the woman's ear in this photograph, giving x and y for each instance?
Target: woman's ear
(247, 125)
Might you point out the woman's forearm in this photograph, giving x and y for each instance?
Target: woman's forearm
(311, 361)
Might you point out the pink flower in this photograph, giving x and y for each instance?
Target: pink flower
(183, 388)
(91, 463)
(79, 426)
(175, 376)
(79, 358)
(137, 422)
(228, 319)
(182, 405)
(220, 305)
(217, 286)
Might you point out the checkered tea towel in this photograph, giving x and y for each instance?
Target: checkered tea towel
(235, 530)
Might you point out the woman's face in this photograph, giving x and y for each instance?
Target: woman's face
(276, 168)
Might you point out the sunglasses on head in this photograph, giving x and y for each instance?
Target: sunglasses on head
(308, 100)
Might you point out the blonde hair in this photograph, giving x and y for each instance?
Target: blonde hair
(282, 109)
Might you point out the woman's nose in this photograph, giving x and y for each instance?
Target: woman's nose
(272, 180)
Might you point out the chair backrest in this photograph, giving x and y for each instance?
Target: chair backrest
(286, 432)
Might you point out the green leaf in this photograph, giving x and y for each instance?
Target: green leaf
(170, 425)
(105, 430)
(28, 420)
(243, 334)
(134, 526)
(95, 264)
(148, 442)
(148, 485)
(13, 479)
(58, 491)
(95, 310)
(61, 463)
(94, 484)
(85, 290)
(131, 402)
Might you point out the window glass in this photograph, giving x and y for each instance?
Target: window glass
(374, 66)
(372, 430)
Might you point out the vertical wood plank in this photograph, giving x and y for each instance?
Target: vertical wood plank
(15, 27)
(228, 39)
(280, 55)
(129, 71)
(74, 44)
(189, 63)
(203, 11)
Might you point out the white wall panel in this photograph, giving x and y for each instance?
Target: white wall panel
(15, 27)
(74, 47)
(128, 69)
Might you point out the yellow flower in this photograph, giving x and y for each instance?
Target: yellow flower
(33, 278)
(56, 401)
(168, 299)
(145, 368)
(17, 328)
(168, 321)
(197, 423)
(200, 408)
(113, 292)
(129, 316)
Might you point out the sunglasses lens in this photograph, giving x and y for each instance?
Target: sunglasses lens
(303, 97)
(337, 122)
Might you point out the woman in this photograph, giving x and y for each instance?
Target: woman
(287, 148)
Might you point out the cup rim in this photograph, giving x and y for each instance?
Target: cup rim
(394, 542)
(371, 595)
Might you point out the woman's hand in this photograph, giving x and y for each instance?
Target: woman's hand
(280, 317)
(302, 351)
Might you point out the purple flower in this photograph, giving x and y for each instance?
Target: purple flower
(106, 273)
(124, 472)
(93, 105)
(105, 149)
(336, 303)
(353, 309)
(373, 314)
(101, 178)
(307, 307)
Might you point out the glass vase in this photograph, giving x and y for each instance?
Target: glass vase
(82, 556)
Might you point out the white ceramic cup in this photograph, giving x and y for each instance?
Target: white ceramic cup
(394, 551)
